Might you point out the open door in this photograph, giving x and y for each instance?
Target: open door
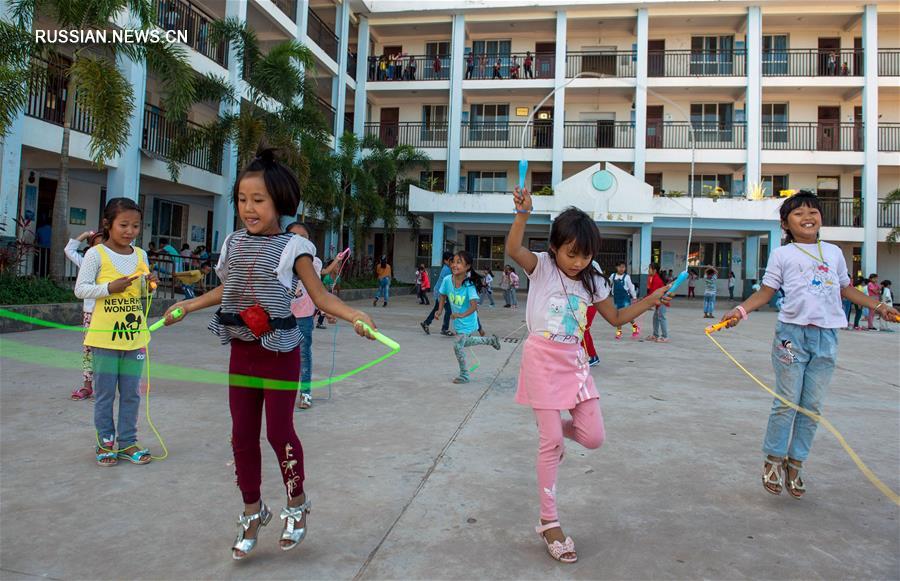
(654, 126)
(544, 60)
(828, 61)
(542, 129)
(656, 58)
(828, 130)
(389, 126)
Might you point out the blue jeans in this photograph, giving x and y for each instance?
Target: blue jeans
(490, 295)
(660, 324)
(709, 303)
(848, 306)
(384, 289)
(305, 324)
(188, 290)
(122, 369)
(804, 358)
(445, 325)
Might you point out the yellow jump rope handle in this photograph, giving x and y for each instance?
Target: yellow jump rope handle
(381, 338)
(718, 326)
(177, 313)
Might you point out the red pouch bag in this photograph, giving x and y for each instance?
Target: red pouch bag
(257, 320)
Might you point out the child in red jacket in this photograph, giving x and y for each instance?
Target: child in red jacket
(660, 324)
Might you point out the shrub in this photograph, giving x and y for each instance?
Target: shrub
(30, 290)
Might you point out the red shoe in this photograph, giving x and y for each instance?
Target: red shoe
(82, 393)
(618, 334)
(635, 332)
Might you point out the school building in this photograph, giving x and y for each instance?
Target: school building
(650, 101)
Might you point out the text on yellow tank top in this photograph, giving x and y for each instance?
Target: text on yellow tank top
(118, 320)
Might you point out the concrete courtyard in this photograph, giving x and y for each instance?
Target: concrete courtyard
(412, 477)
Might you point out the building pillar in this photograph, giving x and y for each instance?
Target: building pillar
(751, 263)
(640, 95)
(775, 234)
(11, 158)
(223, 208)
(124, 181)
(454, 137)
(360, 108)
(340, 103)
(559, 99)
(753, 103)
(870, 145)
(635, 265)
(646, 255)
(437, 240)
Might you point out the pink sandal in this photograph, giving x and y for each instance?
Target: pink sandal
(556, 549)
(82, 393)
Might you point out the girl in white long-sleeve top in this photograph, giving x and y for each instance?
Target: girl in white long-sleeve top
(86, 390)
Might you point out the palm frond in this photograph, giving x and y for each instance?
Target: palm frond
(169, 62)
(15, 72)
(242, 38)
(107, 97)
(23, 11)
(214, 89)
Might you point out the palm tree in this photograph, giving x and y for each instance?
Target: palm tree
(15, 64)
(100, 89)
(894, 235)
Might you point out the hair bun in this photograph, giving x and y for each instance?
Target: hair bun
(267, 155)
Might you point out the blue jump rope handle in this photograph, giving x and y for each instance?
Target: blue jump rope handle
(523, 169)
(681, 278)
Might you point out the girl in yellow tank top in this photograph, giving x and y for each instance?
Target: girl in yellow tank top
(112, 273)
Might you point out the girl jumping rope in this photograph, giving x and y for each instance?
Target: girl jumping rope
(86, 390)
(260, 266)
(554, 372)
(623, 294)
(117, 335)
(461, 290)
(814, 277)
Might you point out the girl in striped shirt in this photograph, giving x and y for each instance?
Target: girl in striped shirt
(260, 267)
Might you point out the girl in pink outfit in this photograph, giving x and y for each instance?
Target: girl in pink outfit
(554, 373)
(874, 291)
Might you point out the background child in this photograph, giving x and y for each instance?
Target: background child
(461, 291)
(189, 278)
(86, 390)
(513, 288)
(488, 287)
(660, 323)
(862, 287)
(554, 372)
(887, 297)
(383, 274)
(623, 293)
(710, 289)
(445, 272)
(259, 267)
(731, 282)
(303, 309)
(108, 274)
(874, 291)
(814, 276)
(692, 281)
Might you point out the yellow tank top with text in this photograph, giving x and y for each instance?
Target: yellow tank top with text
(118, 320)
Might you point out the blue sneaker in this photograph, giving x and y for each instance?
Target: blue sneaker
(594, 361)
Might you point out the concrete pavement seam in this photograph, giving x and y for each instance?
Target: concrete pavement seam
(434, 465)
(30, 574)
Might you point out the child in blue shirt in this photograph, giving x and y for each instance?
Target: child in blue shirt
(462, 290)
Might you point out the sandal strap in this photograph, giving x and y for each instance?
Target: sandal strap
(558, 549)
(772, 474)
(246, 519)
(295, 512)
(546, 527)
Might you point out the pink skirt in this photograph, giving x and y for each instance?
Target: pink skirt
(553, 375)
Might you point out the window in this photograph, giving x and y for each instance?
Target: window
(423, 250)
(485, 182)
(705, 185)
(433, 180)
(763, 260)
(488, 251)
(712, 121)
(712, 55)
(440, 49)
(775, 56)
(169, 221)
(717, 254)
(774, 184)
(434, 126)
(540, 179)
(774, 123)
(656, 252)
(489, 122)
(655, 180)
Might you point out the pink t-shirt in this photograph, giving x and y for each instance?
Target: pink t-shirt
(557, 305)
(303, 306)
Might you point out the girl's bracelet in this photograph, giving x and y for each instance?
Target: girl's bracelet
(743, 312)
(878, 306)
(523, 211)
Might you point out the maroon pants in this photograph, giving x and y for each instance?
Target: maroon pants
(587, 341)
(246, 403)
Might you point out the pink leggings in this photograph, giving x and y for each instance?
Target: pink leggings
(585, 427)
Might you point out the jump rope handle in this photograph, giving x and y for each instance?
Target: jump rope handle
(718, 326)
(344, 254)
(678, 281)
(380, 337)
(523, 170)
(177, 313)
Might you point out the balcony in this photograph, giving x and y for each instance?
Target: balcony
(504, 135)
(182, 15)
(288, 7)
(618, 64)
(677, 135)
(889, 137)
(321, 34)
(696, 63)
(159, 135)
(511, 66)
(812, 62)
(889, 214)
(414, 134)
(841, 213)
(791, 136)
(48, 97)
(889, 62)
(599, 135)
(409, 68)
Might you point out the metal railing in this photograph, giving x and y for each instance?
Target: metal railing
(599, 134)
(619, 63)
(160, 134)
(415, 134)
(327, 111)
(409, 68)
(888, 214)
(822, 136)
(843, 213)
(889, 62)
(539, 135)
(48, 97)
(515, 65)
(812, 62)
(321, 34)
(351, 65)
(288, 7)
(889, 137)
(696, 63)
(677, 135)
(183, 15)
